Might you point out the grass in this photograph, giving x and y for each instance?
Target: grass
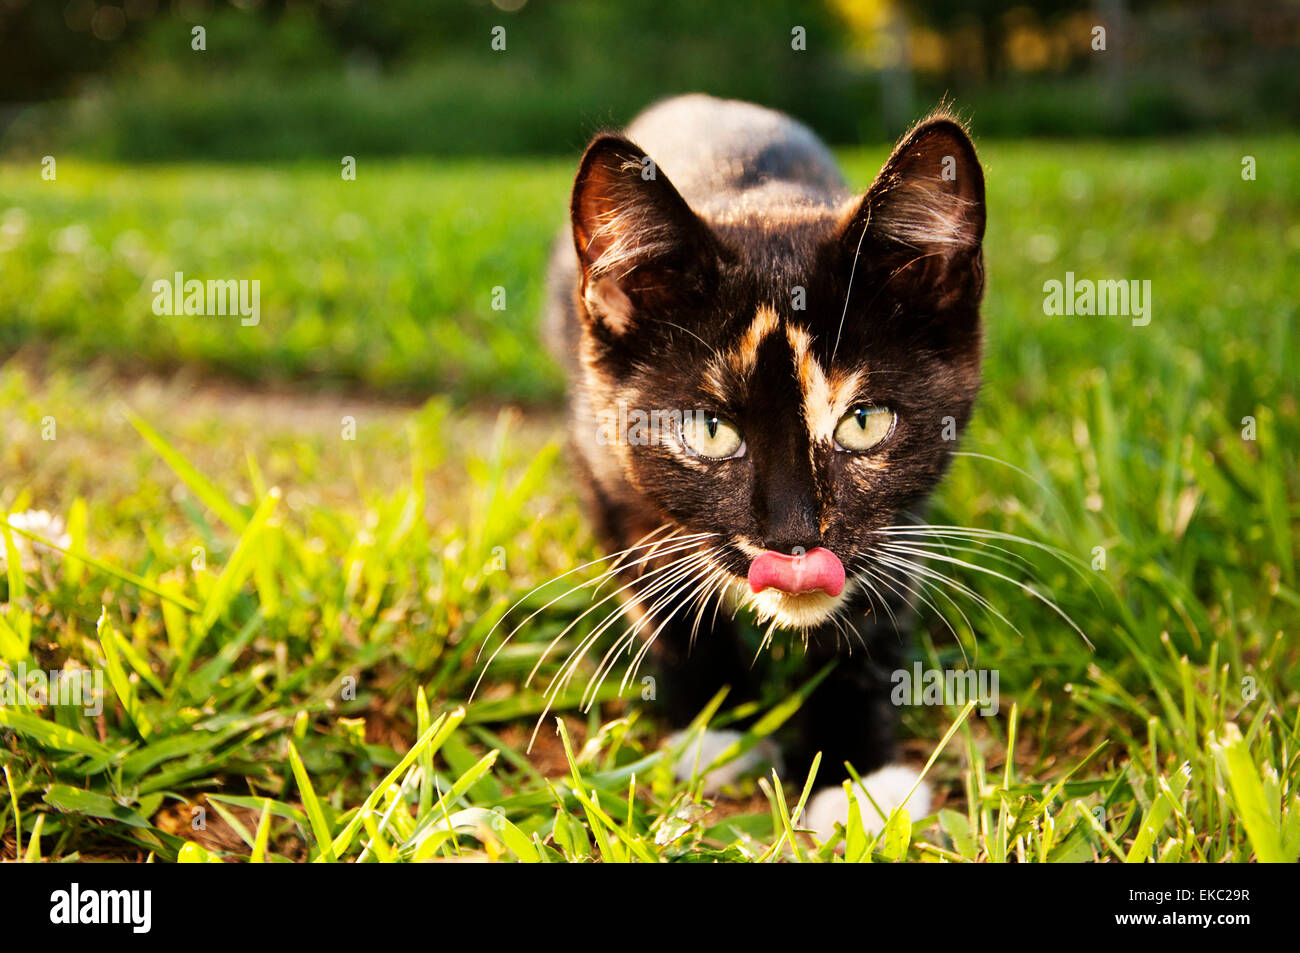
(386, 282)
(287, 611)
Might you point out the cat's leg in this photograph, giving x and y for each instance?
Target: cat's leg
(895, 785)
(688, 676)
(687, 665)
(851, 717)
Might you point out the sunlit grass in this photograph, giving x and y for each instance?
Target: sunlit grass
(289, 620)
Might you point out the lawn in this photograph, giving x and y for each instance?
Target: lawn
(286, 544)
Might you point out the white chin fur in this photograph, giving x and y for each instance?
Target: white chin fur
(700, 753)
(806, 610)
(802, 611)
(887, 787)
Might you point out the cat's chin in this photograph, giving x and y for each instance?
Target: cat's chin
(805, 610)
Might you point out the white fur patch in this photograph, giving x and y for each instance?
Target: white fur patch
(702, 751)
(887, 787)
(606, 300)
(800, 611)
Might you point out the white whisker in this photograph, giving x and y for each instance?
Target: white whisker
(678, 544)
(1029, 590)
(666, 573)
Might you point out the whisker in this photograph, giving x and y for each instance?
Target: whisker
(674, 585)
(713, 583)
(1009, 465)
(1002, 554)
(569, 667)
(617, 557)
(628, 585)
(701, 598)
(920, 594)
(1029, 590)
(848, 294)
(930, 577)
(941, 530)
(653, 552)
(873, 594)
(677, 544)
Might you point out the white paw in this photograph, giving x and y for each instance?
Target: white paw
(888, 787)
(700, 752)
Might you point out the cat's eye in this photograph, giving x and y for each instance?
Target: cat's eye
(864, 427)
(708, 435)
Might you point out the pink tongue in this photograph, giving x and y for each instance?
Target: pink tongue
(816, 569)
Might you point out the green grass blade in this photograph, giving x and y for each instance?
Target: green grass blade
(1158, 813)
(117, 677)
(263, 835)
(241, 564)
(230, 514)
(320, 829)
(1234, 760)
(429, 742)
(50, 735)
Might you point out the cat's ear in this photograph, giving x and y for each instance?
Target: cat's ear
(923, 217)
(640, 247)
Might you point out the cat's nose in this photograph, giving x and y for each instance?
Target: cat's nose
(792, 543)
(787, 513)
(792, 527)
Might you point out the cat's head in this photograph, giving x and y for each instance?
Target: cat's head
(811, 363)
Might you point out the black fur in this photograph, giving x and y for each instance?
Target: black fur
(745, 205)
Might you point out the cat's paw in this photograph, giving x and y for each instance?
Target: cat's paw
(706, 746)
(888, 787)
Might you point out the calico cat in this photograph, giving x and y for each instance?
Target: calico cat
(766, 373)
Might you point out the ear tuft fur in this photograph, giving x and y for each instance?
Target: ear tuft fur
(637, 239)
(925, 212)
(931, 191)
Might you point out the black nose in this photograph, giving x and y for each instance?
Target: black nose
(795, 545)
(792, 528)
(790, 525)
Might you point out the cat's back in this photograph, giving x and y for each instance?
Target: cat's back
(721, 151)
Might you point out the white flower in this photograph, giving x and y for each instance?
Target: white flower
(44, 524)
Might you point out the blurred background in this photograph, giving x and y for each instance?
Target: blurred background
(284, 79)
(206, 136)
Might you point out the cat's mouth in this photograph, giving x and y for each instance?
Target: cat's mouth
(796, 591)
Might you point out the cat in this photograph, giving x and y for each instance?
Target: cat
(766, 373)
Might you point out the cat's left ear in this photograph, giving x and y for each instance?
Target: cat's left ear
(923, 217)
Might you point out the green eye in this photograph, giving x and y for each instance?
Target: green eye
(864, 427)
(708, 435)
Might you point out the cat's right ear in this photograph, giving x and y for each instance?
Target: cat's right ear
(640, 247)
